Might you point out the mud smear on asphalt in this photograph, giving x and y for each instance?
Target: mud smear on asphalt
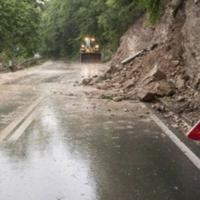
(93, 149)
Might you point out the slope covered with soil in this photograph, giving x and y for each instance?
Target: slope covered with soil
(164, 61)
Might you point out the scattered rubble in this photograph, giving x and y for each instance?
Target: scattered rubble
(160, 62)
(87, 81)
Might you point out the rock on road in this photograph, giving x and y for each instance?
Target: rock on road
(59, 142)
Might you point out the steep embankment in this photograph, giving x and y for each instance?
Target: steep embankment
(164, 60)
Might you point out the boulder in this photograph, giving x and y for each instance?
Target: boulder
(86, 81)
(154, 75)
(156, 89)
(129, 83)
(163, 88)
(180, 82)
(118, 98)
(102, 86)
(146, 95)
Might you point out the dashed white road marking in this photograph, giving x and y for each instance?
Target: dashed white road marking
(5, 133)
(191, 156)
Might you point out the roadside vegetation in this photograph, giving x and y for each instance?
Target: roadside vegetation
(55, 28)
(65, 23)
(19, 34)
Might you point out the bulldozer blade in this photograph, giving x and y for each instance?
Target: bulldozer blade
(90, 57)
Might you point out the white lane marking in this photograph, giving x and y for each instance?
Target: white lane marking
(12, 126)
(191, 156)
(21, 129)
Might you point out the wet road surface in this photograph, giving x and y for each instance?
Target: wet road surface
(68, 145)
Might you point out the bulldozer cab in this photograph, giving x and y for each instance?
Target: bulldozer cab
(90, 50)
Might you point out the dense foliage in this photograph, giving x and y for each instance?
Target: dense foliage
(64, 23)
(56, 27)
(19, 21)
(153, 8)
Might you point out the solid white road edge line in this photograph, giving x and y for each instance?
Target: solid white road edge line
(12, 126)
(191, 156)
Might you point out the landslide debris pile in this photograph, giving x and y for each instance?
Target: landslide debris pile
(163, 61)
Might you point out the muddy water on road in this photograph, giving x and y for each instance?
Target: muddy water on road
(80, 148)
(20, 89)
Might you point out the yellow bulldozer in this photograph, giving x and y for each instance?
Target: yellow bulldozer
(90, 50)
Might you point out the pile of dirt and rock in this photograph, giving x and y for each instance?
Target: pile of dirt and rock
(160, 62)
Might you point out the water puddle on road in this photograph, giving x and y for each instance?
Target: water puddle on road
(90, 155)
(81, 148)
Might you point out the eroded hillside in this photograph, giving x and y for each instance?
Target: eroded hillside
(164, 61)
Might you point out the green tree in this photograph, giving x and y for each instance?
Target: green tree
(66, 22)
(153, 8)
(19, 21)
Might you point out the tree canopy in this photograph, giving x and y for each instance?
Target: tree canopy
(56, 27)
(19, 21)
(64, 23)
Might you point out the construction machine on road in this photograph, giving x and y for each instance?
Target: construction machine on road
(90, 50)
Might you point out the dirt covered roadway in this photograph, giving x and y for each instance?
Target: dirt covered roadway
(59, 140)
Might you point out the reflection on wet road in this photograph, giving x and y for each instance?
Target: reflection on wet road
(80, 148)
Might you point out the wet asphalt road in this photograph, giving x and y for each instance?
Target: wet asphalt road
(72, 146)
